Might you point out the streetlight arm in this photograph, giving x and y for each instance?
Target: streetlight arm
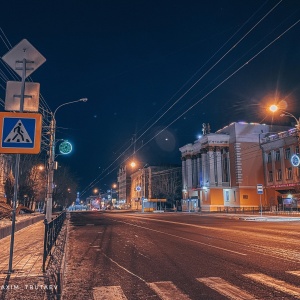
(287, 114)
(80, 100)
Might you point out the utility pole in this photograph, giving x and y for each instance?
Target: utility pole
(51, 167)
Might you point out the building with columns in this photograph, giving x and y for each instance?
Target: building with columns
(222, 169)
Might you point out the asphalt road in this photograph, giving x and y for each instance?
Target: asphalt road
(180, 256)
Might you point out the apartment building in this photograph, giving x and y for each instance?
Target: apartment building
(155, 185)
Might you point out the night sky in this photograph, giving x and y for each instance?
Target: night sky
(154, 71)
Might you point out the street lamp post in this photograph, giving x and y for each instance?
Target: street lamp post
(51, 159)
(143, 189)
(273, 108)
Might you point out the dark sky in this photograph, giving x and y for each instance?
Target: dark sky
(148, 66)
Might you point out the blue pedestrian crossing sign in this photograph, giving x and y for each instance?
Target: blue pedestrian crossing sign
(20, 133)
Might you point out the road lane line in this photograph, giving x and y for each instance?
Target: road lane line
(297, 273)
(225, 288)
(108, 293)
(166, 290)
(183, 238)
(277, 284)
(113, 261)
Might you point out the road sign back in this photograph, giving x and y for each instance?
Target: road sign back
(20, 133)
(260, 189)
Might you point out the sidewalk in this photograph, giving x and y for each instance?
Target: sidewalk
(27, 281)
(264, 217)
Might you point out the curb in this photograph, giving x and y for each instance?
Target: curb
(6, 231)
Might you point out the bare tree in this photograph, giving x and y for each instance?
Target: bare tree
(9, 188)
(65, 188)
(32, 180)
(167, 184)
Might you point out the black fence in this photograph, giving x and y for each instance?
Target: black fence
(52, 231)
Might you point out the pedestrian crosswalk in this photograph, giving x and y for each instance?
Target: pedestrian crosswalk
(277, 284)
(225, 288)
(167, 290)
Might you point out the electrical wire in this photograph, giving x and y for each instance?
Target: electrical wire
(201, 99)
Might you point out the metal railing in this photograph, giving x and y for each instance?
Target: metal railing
(52, 230)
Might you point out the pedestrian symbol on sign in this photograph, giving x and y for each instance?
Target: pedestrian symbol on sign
(18, 134)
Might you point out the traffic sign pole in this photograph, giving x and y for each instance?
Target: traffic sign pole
(17, 168)
(23, 53)
(260, 191)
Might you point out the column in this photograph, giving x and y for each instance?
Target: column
(204, 170)
(211, 165)
(184, 175)
(195, 172)
(199, 171)
(219, 166)
(189, 170)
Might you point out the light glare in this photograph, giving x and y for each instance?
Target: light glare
(273, 108)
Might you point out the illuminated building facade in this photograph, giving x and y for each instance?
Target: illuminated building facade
(282, 169)
(156, 185)
(124, 183)
(221, 170)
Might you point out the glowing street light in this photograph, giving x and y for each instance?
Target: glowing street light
(133, 164)
(273, 108)
(41, 167)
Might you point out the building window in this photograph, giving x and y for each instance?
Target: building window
(289, 173)
(270, 178)
(269, 157)
(245, 197)
(277, 155)
(287, 153)
(225, 168)
(279, 175)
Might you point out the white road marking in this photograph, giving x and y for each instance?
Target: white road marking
(225, 288)
(183, 238)
(113, 261)
(108, 293)
(297, 273)
(277, 284)
(166, 290)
